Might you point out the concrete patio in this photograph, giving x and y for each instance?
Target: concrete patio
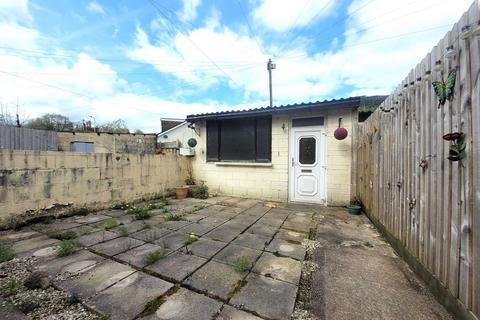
(220, 258)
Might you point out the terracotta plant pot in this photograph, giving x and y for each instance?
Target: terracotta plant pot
(192, 188)
(181, 192)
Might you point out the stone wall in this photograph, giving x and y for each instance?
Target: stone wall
(36, 180)
(270, 181)
(110, 142)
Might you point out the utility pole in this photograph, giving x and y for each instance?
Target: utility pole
(270, 67)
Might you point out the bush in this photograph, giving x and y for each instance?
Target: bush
(201, 192)
(66, 248)
(190, 181)
(6, 252)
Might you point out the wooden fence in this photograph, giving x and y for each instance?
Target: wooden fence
(433, 211)
(27, 139)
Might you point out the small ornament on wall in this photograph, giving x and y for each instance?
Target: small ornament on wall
(340, 133)
(444, 89)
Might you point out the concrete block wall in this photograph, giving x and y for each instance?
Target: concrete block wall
(35, 180)
(271, 182)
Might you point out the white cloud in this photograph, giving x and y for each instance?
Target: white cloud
(95, 7)
(281, 15)
(15, 10)
(189, 10)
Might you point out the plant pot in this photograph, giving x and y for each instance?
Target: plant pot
(181, 192)
(192, 188)
(354, 209)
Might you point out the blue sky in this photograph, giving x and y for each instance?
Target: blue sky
(142, 60)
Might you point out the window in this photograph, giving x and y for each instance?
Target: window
(245, 139)
(307, 148)
(80, 146)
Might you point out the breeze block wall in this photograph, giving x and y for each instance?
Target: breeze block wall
(40, 180)
(270, 181)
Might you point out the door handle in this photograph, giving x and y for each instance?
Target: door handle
(293, 162)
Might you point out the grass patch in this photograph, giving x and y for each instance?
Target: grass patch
(109, 224)
(201, 192)
(142, 214)
(6, 252)
(62, 234)
(199, 207)
(66, 248)
(175, 217)
(166, 210)
(242, 264)
(123, 231)
(153, 257)
(12, 287)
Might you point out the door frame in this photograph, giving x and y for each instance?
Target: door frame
(323, 151)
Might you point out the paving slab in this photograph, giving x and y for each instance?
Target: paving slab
(305, 214)
(128, 298)
(253, 241)
(125, 219)
(131, 227)
(91, 218)
(197, 229)
(266, 297)
(290, 235)
(113, 213)
(176, 266)
(263, 230)
(96, 237)
(223, 233)
(175, 225)
(173, 241)
(83, 230)
(96, 279)
(74, 263)
(116, 246)
(279, 268)
(231, 313)
(245, 219)
(138, 255)
(296, 226)
(286, 248)
(216, 278)
(258, 209)
(279, 213)
(214, 221)
(195, 217)
(55, 225)
(13, 236)
(186, 305)
(150, 235)
(205, 248)
(232, 253)
(305, 220)
(27, 247)
(272, 222)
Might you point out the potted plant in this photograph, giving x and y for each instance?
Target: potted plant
(355, 207)
(181, 192)
(190, 182)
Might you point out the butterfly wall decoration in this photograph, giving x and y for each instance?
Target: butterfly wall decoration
(444, 89)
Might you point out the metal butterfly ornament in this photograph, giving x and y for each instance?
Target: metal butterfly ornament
(444, 89)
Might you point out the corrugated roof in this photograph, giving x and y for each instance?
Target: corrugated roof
(352, 102)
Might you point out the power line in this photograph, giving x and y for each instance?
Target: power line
(248, 24)
(153, 3)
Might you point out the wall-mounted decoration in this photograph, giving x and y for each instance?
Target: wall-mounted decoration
(340, 133)
(457, 149)
(192, 142)
(399, 184)
(423, 164)
(444, 89)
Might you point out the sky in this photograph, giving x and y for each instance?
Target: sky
(144, 60)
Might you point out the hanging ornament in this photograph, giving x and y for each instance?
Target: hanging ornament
(340, 133)
(457, 149)
(444, 89)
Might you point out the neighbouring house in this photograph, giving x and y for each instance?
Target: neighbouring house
(284, 153)
(103, 142)
(176, 137)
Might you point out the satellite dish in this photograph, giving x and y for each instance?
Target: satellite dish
(192, 142)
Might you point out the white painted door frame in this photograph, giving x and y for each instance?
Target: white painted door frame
(318, 169)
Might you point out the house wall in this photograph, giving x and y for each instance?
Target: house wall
(36, 180)
(271, 183)
(110, 143)
(181, 134)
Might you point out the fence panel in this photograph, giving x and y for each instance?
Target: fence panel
(403, 176)
(27, 139)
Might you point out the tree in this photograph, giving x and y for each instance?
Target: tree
(51, 121)
(117, 126)
(138, 131)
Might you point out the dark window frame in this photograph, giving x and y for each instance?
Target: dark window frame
(214, 143)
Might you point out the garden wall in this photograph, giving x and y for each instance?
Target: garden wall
(427, 205)
(39, 180)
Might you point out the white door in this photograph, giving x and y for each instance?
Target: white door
(307, 164)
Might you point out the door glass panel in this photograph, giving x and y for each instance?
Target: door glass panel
(307, 152)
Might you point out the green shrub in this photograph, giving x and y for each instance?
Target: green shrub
(142, 214)
(201, 192)
(190, 181)
(175, 217)
(242, 264)
(109, 224)
(153, 257)
(62, 234)
(6, 252)
(66, 248)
